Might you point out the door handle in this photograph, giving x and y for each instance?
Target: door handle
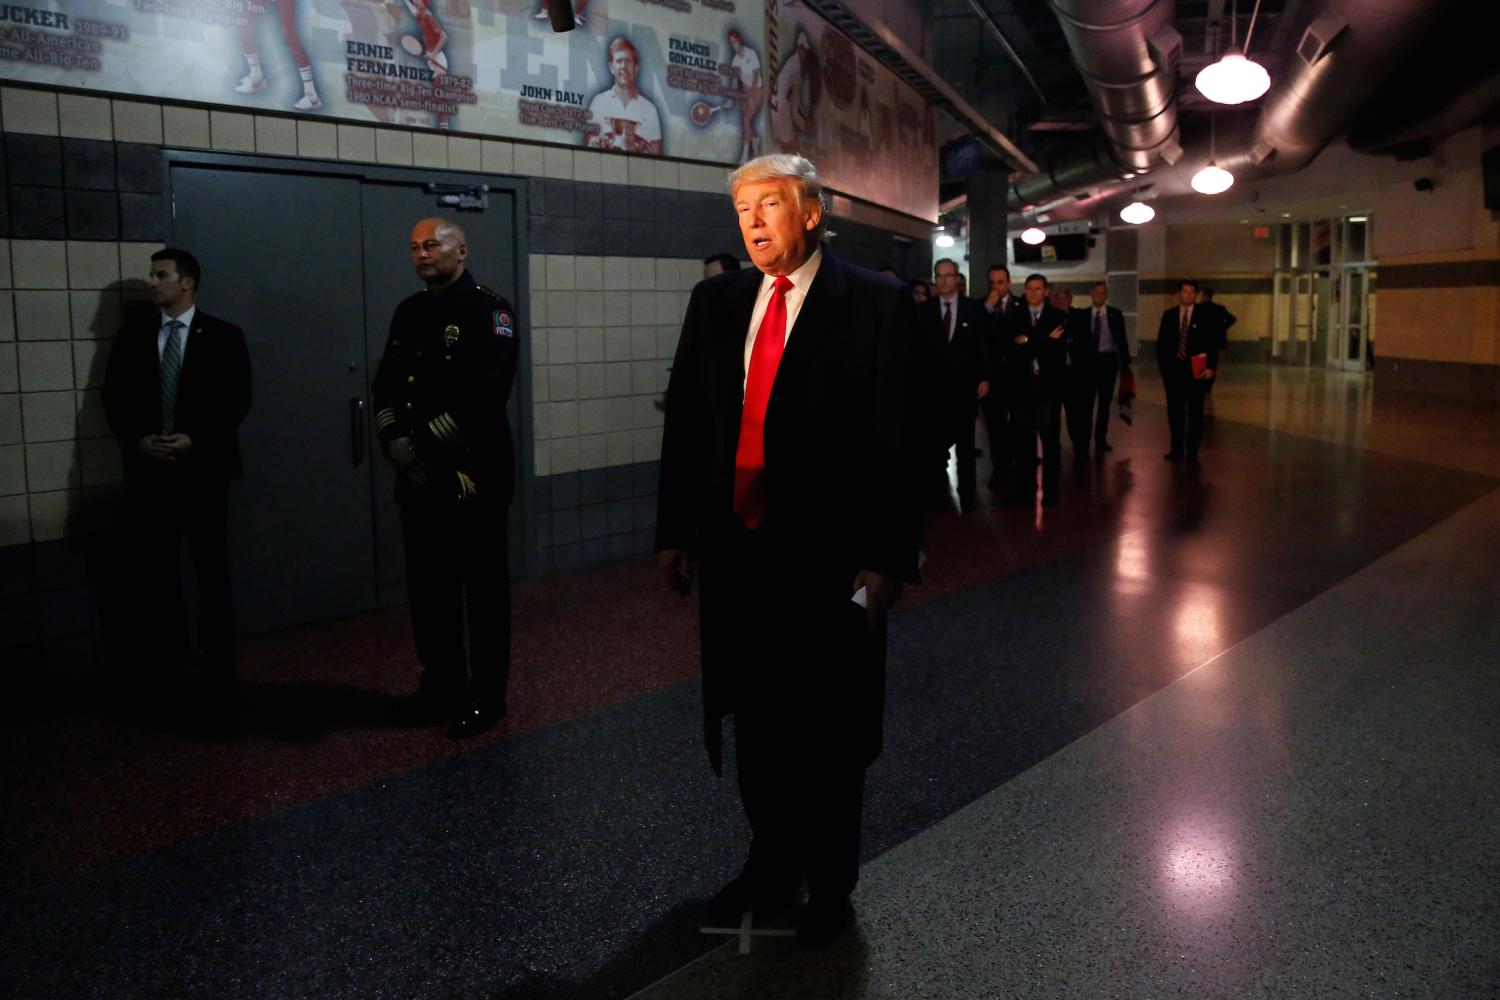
(358, 432)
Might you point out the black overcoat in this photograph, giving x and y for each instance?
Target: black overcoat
(842, 447)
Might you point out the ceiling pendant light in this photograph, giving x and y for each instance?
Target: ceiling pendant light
(1235, 78)
(943, 239)
(1212, 179)
(1137, 213)
(1031, 236)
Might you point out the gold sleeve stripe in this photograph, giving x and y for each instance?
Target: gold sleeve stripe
(446, 430)
(384, 418)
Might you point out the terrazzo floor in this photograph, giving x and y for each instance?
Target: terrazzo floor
(1213, 731)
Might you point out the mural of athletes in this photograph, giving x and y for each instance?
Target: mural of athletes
(667, 77)
(869, 133)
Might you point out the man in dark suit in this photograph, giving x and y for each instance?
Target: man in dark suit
(1183, 334)
(1034, 356)
(788, 493)
(176, 387)
(1100, 354)
(998, 303)
(962, 331)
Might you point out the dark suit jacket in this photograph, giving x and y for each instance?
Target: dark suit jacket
(842, 447)
(998, 319)
(1085, 346)
(213, 396)
(1050, 356)
(1203, 338)
(965, 360)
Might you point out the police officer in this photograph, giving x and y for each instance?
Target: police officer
(440, 395)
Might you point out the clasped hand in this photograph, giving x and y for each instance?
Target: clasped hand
(164, 447)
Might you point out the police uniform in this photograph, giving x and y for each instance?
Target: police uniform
(443, 382)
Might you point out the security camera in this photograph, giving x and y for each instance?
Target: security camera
(1422, 183)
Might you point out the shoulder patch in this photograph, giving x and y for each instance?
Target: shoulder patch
(505, 324)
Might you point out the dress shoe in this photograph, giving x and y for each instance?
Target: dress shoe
(822, 922)
(1173, 456)
(763, 900)
(474, 720)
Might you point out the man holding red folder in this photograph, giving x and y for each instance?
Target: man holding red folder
(1187, 355)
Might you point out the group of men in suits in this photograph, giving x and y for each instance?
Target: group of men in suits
(1024, 360)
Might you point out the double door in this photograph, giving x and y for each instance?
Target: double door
(311, 264)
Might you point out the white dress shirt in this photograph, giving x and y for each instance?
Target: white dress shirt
(802, 280)
(1100, 320)
(186, 319)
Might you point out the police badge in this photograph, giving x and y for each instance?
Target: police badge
(450, 335)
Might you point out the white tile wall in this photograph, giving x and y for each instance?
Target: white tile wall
(530, 161)
(393, 147)
(82, 117)
(39, 263)
(616, 168)
(10, 412)
(49, 514)
(89, 358)
(319, 140)
(15, 521)
(44, 366)
(557, 164)
(53, 466)
(43, 316)
(184, 126)
(91, 421)
(275, 136)
(12, 471)
(497, 157)
(92, 264)
(230, 130)
(429, 149)
(95, 314)
(588, 165)
(465, 154)
(136, 121)
(590, 339)
(356, 142)
(33, 111)
(49, 416)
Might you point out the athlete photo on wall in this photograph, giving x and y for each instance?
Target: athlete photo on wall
(622, 117)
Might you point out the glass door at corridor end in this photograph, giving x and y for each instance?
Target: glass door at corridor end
(1351, 345)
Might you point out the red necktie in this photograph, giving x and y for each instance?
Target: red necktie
(750, 455)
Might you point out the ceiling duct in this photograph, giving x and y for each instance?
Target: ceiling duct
(1344, 53)
(1127, 53)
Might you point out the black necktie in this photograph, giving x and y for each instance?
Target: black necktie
(948, 319)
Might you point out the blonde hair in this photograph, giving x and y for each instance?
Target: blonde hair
(791, 166)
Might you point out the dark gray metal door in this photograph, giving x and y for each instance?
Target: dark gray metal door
(282, 259)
